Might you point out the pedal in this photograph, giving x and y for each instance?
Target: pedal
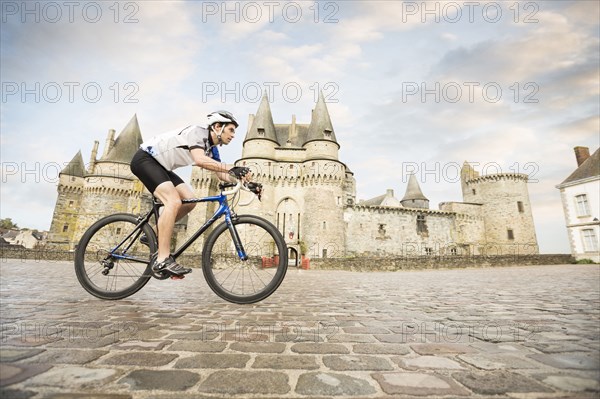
(178, 277)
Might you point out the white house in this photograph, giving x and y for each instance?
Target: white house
(580, 194)
(26, 238)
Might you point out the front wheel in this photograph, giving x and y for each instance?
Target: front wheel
(250, 280)
(110, 261)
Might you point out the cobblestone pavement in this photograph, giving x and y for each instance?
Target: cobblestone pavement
(518, 332)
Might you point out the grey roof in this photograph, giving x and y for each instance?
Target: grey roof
(413, 190)
(127, 143)
(263, 120)
(297, 134)
(381, 200)
(283, 132)
(320, 122)
(11, 234)
(589, 168)
(76, 167)
(373, 201)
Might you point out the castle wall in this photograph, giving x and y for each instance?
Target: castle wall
(394, 231)
(66, 212)
(321, 149)
(259, 148)
(505, 206)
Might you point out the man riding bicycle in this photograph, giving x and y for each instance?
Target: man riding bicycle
(154, 162)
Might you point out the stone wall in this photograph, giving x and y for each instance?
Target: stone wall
(351, 264)
(437, 262)
(506, 206)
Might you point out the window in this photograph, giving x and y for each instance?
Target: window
(520, 206)
(261, 131)
(118, 230)
(324, 225)
(590, 241)
(327, 133)
(65, 228)
(324, 252)
(474, 192)
(582, 206)
(511, 234)
(429, 251)
(453, 251)
(71, 204)
(421, 224)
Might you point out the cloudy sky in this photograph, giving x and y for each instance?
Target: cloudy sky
(410, 86)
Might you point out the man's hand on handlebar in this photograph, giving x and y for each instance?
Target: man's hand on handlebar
(241, 173)
(256, 188)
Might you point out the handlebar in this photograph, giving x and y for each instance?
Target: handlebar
(256, 189)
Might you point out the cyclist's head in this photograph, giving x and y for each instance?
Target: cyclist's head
(222, 117)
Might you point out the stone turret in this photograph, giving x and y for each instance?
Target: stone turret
(261, 137)
(111, 187)
(66, 211)
(320, 142)
(414, 198)
(506, 211)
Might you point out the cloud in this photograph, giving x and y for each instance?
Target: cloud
(553, 45)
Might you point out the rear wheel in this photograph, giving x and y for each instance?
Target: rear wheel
(250, 280)
(110, 261)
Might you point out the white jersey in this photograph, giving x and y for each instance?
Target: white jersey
(172, 149)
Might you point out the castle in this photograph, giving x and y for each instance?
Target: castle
(310, 195)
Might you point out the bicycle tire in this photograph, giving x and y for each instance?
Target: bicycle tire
(100, 240)
(263, 248)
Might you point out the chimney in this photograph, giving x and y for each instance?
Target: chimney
(110, 141)
(292, 129)
(581, 154)
(93, 157)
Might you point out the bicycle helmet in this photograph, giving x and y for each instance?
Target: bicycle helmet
(221, 116)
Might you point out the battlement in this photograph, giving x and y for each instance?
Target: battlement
(498, 177)
(116, 192)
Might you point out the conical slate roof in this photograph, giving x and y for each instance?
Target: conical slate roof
(320, 122)
(589, 168)
(127, 143)
(75, 167)
(413, 190)
(263, 120)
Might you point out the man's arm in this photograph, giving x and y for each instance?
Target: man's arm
(208, 163)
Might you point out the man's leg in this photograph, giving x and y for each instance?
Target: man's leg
(184, 192)
(169, 196)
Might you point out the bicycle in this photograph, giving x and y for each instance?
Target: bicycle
(244, 258)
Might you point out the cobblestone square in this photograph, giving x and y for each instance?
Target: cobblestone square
(510, 332)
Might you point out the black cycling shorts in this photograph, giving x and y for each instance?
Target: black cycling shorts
(151, 172)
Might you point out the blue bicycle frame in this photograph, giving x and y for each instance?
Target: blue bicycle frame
(222, 210)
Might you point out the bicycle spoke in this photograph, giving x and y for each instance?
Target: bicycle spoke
(255, 277)
(111, 276)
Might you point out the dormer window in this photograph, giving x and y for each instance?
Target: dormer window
(261, 132)
(327, 133)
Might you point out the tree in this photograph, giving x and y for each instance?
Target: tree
(7, 223)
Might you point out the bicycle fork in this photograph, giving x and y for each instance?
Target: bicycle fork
(236, 239)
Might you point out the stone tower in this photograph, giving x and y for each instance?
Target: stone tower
(306, 187)
(506, 210)
(66, 211)
(414, 198)
(109, 185)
